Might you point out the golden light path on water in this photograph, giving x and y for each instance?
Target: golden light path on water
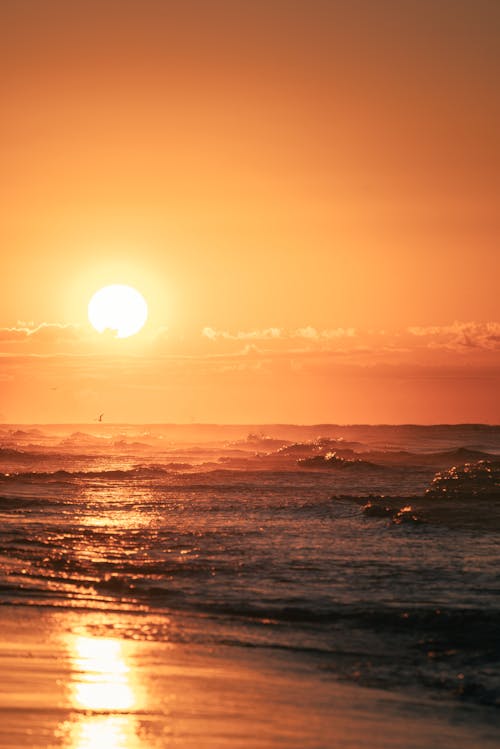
(104, 683)
(103, 694)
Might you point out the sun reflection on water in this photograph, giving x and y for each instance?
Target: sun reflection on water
(105, 732)
(103, 695)
(104, 675)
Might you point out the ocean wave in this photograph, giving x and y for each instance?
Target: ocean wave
(466, 496)
(326, 453)
(81, 439)
(259, 441)
(138, 472)
(31, 453)
(22, 433)
(84, 438)
(320, 446)
(440, 459)
(333, 460)
(480, 479)
(449, 621)
(28, 454)
(13, 503)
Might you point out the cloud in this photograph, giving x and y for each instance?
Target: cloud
(306, 332)
(314, 334)
(50, 332)
(260, 335)
(460, 336)
(466, 343)
(433, 345)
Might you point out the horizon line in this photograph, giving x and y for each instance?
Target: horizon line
(250, 424)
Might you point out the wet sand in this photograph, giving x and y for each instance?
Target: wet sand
(81, 681)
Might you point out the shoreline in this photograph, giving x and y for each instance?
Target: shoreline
(84, 680)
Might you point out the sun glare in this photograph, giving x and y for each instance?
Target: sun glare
(103, 682)
(118, 308)
(104, 695)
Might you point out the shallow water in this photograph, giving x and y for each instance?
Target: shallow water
(262, 542)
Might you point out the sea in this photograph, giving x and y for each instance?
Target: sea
(371, 552)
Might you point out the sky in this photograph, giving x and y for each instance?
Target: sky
(305, 193)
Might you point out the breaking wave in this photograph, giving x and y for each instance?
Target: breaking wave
(470, 480)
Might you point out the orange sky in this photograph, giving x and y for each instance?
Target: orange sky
(306, 193)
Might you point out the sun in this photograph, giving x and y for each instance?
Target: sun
(119, 308)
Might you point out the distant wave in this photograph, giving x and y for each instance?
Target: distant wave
(13, 453)
(332, 460)
(321, 445)
(83, 438)
(34, 453)
(337, 454)
(89, 440)
(149, 471)
(442, 458)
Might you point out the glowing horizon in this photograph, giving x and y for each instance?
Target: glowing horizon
(305, 194)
